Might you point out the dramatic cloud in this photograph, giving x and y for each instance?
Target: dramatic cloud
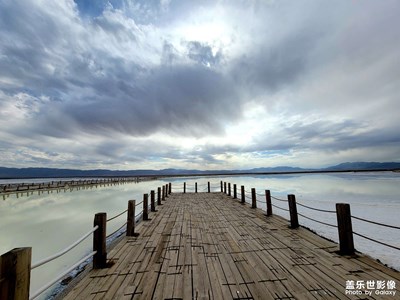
(212, 84)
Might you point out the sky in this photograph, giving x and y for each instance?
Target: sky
(230, 84)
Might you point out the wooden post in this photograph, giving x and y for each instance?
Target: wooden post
(195, 187)
(221, 187)
(294, 221)
(224, 187)
(130, 225)
(253, 198)
(229, 188)
(345, 228)
(166, 191)
(242, 195)
(145, 207)
(208, 187)
(163, 193)
(159, 196)
(184, 187)
(99, 241)
(269, 203)
(169, 188)
(234, 191)
(15, 274)
(152, 201)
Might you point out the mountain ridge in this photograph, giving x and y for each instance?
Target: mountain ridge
(58, 172)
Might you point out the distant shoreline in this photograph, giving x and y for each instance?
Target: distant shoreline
(155, 176)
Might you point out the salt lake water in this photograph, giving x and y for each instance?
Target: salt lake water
(50, 221)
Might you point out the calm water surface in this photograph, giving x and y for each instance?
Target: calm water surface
(50, 221)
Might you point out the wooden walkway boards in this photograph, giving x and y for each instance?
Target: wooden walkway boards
(209, 246)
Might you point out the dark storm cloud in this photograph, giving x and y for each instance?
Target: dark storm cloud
(187, 100)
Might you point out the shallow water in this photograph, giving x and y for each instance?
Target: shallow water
(50, 221)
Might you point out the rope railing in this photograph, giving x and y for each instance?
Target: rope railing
(278, 199)
(259, 201)
(376, 241)
(320, 222)
(278, 207)
(376, 223)
(57, 255)
(114, 232)
(120, 214)
(45, 287)
(317, 209)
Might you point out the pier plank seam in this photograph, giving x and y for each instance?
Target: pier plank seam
(211, 246)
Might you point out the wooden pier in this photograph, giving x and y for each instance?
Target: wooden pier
(65, 184)
(210, 246)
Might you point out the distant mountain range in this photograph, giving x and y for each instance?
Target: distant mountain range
(53, 172)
